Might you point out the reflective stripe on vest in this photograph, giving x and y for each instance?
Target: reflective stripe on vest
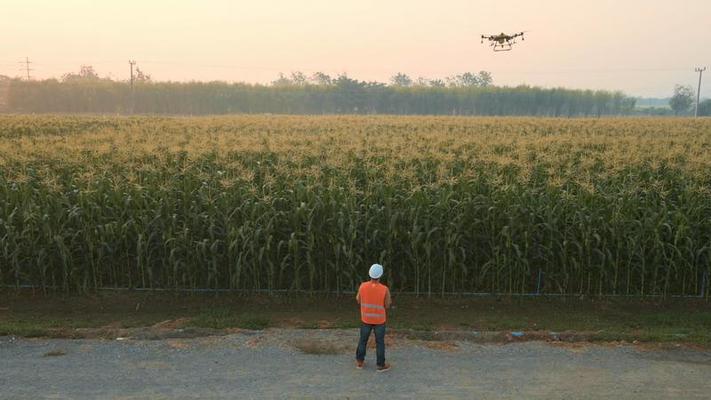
(372, 302)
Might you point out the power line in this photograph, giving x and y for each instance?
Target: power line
(698, 92)
(27, 68)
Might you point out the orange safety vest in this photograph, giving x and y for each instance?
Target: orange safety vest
(372, 302)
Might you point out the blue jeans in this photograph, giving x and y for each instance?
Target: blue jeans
(379, 342)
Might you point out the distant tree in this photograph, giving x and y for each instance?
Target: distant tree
(343, 95)
(401, 80)
(705, 108)
(422, 82)
(466, 79)
(86, 73)
(682, 100)
(453, 81)
(4, 88)
(345, 82)
(350, 96)
(373, 85)
(298, 78)
(281, 81)
(485, 79)
(322, 79)
(654, 111)
(627, 104)
(141, 76)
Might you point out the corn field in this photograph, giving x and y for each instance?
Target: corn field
(446, 204)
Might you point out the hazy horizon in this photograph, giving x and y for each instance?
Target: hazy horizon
(640, 47)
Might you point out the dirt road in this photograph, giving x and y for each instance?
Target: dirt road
(281, 364)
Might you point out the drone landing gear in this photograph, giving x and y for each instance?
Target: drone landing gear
(503, 47)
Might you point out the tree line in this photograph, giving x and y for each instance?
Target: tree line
(464, 94)
(683, 100)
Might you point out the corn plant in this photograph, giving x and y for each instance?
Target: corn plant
(447, 204)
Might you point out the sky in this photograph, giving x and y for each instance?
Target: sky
(642, 47)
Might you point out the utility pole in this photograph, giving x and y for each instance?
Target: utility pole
(698, 92)
(27, 68)
(132, 106)
(131, 63)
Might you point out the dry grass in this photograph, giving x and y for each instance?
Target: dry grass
(431, 319)
(55, 353)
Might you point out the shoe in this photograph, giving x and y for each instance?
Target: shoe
(360, 364)
(384, 368)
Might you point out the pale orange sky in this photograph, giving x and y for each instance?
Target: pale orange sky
(640, 47)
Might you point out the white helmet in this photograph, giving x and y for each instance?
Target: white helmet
(376, 271)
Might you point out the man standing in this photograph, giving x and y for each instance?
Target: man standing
(374, 298)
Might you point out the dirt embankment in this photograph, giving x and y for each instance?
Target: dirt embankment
(310, 340)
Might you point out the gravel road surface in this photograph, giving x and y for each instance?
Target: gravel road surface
(280, 364)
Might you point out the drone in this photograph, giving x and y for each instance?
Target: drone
(502, 41)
